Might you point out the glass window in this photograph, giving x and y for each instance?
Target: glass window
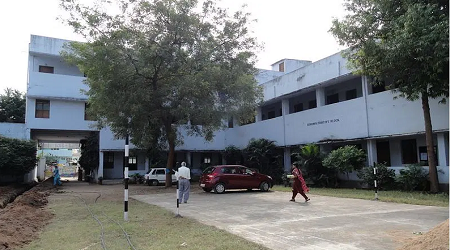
(42, 109)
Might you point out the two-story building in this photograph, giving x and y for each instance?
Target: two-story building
(304, 102)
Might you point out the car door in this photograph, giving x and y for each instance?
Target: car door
(247, 178)
(160, 175)
(230, 176)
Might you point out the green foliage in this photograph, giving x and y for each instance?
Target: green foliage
(17, 157)
(385, 177)
(413, 177)
(12, 106)
(309, 158)
(263, 154)
(233, 155)
(167, 65)
(89, 153)
(406, 41)
(345, 159)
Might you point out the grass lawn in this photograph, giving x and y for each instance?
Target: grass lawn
(416, 198)
(150, 227)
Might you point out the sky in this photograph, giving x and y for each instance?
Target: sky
(294, 29)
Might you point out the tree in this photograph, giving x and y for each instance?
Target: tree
(405, 41)
(233, 155)
(12, 106)
(345, 159)
(264, 155)
(161, 66)
(89, 158)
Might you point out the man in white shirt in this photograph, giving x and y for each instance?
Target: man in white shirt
(184, 185)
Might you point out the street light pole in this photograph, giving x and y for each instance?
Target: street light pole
(127, 154)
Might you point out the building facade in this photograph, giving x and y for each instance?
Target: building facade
(304, 102)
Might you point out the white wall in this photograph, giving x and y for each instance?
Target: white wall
(400, 116)
(64, 115)
(308, 76)
(46, 45)
(14, 130)
(267, 75)
(60, 67)
(56, 86)
(343, 120)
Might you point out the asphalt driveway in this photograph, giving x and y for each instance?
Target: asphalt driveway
(323, 223)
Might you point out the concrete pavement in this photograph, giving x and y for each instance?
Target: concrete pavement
(323, 223)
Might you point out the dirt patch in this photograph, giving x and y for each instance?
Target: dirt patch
(436, 239)
(9, 193)
(21, 220)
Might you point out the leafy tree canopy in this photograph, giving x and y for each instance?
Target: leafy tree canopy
(164, 64)
(12, 106)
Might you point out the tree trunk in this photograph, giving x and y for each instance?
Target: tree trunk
(434, 182)
(171, 140)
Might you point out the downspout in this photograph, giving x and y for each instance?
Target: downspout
(366, 93)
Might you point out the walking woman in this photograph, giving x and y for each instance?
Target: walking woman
(56, 177)
(299, 185)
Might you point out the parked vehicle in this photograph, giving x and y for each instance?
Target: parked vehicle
(222, 177)
(156, 176)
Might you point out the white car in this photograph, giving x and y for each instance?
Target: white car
(156, 176)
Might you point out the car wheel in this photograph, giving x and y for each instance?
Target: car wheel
(219, 188)
(207, 190)
(264, 186)
(154, 182)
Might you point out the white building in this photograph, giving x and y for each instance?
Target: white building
(304, 102)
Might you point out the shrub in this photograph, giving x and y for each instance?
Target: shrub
(233, 155)
(89, 153)
(413, 177)
(17, 157)
(345, 159)
(310, 158)
(385, 177)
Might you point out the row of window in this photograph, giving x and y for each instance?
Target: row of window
(108, 161)
(43, 110)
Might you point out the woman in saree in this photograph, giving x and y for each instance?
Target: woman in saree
(299, 185)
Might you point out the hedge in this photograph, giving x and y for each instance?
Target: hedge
(17, 157)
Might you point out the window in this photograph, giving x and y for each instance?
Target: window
(87, 116)
(207, 160)
(350, 94)
(230, 122)
(108, 160)
(312, 104)
(132, 163)
(160, 172)
(334, 98)
(271, 114)
(281, 67)
(409, 151)
(383, 153)
(42, 109)
(298, 107)
(423, 155)
(46, 69)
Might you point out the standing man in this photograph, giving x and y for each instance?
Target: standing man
(183, 176)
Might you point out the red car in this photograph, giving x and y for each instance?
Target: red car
(222, 177)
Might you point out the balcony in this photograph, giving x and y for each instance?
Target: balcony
(54, 86)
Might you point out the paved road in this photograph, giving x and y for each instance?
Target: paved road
(324, 223)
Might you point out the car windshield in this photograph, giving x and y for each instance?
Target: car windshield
(209, 170)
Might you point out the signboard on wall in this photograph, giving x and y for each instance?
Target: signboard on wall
(322, 122)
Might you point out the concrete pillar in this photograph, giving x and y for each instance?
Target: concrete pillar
(396, 152)
(146, 164)
(285, 107)
(189, 159)
(100, 164)
(442, 150)
(371, 152)
(224, 161)
(287, 160)
(320, 97)
(258, 114)
(41, 169)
